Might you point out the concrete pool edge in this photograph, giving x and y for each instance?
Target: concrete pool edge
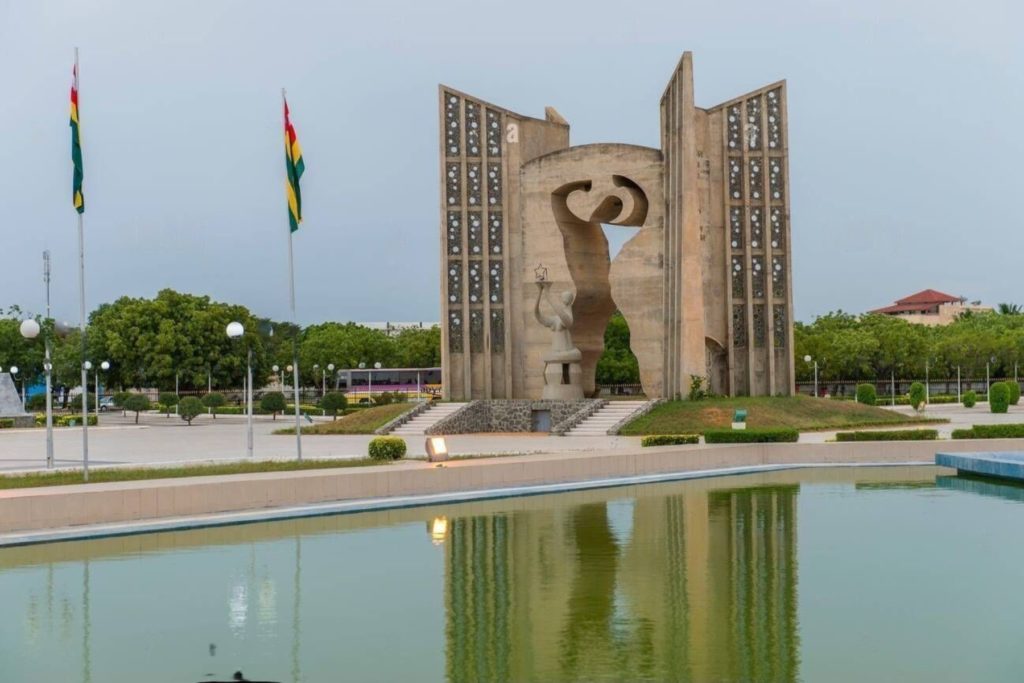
(81, 511)
(94, 531)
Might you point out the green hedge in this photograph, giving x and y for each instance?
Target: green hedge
(387, 448)
(1011, 431)
(6, 423)
(970, 399)
(66, 420)
(866, 394)
(999, 397)
(893, 435)
(1014, 392)
(778, 435)
(669, 439)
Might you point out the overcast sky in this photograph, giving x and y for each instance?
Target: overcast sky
(906, 137)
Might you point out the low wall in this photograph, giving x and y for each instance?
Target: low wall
(506, 415)
(90, 504)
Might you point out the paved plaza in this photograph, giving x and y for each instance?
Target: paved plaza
(160, 440)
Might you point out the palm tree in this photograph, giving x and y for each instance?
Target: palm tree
(1010, 309)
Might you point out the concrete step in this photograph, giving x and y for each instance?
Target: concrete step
(427, 419)
(607, 417)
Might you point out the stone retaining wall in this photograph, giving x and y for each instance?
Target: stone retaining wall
(507, 415)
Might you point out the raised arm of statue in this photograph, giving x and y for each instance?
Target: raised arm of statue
(550, 323)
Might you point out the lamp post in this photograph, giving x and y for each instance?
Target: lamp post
(892, 386)
(277, 371)
(330, 369)
(808, 359)
(958, 398)
(14, 376)
(927, 393)
(29, 330)
(235, 331)
(988, 378)
(104, 366)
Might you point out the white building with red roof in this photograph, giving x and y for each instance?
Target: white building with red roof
(931, 307)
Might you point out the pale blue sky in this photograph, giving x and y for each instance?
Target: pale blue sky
(905, 137)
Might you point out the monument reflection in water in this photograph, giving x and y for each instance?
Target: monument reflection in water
(689, 581)
(689, 587)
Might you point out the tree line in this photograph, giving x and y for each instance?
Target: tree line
(176, 338)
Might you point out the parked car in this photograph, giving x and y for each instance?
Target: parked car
(107, 403)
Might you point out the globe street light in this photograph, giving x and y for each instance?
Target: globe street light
(330, 369)
(277, 371)
(104, 366)
(30, 329)
(235, 331)
(808, 359)
(14, 375)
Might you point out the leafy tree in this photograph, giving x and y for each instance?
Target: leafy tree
(334, 401)
(136, 403)
(213, 401)
(617, 364)
(1009, 309)
(273, 402)
(346, 345)
(418, 348)
(168, 399)
(189, 408)
(917, 395)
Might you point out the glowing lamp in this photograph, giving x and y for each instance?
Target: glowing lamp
(437, 449)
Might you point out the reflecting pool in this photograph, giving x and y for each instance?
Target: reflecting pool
(846, 574)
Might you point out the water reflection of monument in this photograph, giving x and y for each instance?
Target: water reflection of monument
(703, 587)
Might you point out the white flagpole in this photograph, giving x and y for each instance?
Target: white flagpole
(295, 341)
(81, 312)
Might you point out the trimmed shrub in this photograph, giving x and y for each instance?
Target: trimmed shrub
(970, 399)
(387, 448)
(167, 400)
(36, 402)
(333, 402)
(866, 394)
(213, 401)
(1014, 388)
(1012, 431)
(776, 435)
(917, 395)
(893, 435)
(136, 403)
(119, 399)
(71, 420)
(6, 423)
(383, 399)
(273, 402)
(999, 397)
(190, 408)
(669, 439)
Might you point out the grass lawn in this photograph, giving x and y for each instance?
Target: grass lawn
(363, 422)
(63, 478)
(800, 412)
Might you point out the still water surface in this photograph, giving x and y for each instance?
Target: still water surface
(882, 574)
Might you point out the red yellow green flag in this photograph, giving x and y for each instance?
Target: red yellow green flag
(295, 167)
(77, 198)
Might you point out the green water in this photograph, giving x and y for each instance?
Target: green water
(882, 574)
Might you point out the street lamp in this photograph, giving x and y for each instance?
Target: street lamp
(988, 379)
(104, 366)
(235, 331)
(277, 371)
(14, 375)
(29, 329)
(808, 359)
(330, 369)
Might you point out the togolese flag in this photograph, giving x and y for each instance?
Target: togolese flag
(294, 166)
(76, 145)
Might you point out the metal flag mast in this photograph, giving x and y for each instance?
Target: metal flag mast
(81, 312)
(291, 297)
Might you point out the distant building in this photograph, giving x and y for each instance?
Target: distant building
(392, 328)
(930, 307)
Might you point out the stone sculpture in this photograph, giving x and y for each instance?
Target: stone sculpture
(562, 369)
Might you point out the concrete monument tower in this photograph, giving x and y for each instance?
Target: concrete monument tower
(704, 284)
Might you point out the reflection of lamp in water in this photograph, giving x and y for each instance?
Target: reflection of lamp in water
(437, 449)
(438, 528)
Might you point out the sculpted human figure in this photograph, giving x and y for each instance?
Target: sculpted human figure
(562, 349)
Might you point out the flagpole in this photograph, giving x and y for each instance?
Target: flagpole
(81, 312)
(295, 340)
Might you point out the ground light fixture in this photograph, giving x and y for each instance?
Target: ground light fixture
(437, 449)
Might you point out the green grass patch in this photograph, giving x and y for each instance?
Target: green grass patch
(64, 478)
(803, 413)
(365, 421)
(1011, 431)
(891, 435)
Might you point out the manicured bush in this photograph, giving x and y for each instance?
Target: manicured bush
(866, 394)
(1011, 431)
(776, 435)
(999, 397)
(333, 402)
(1014, 388)
(190, 408)
(136, 403)
(71, 420)
(669, 439)
(273, 402)
(970, 398)
(890, 435)
(917, 395)
(6, 423)
(37, 402)
(387, 448)
(383, 399)
(214, 400)
(167, 400)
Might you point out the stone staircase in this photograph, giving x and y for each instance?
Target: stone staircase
(607, 417)
(418, 425)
